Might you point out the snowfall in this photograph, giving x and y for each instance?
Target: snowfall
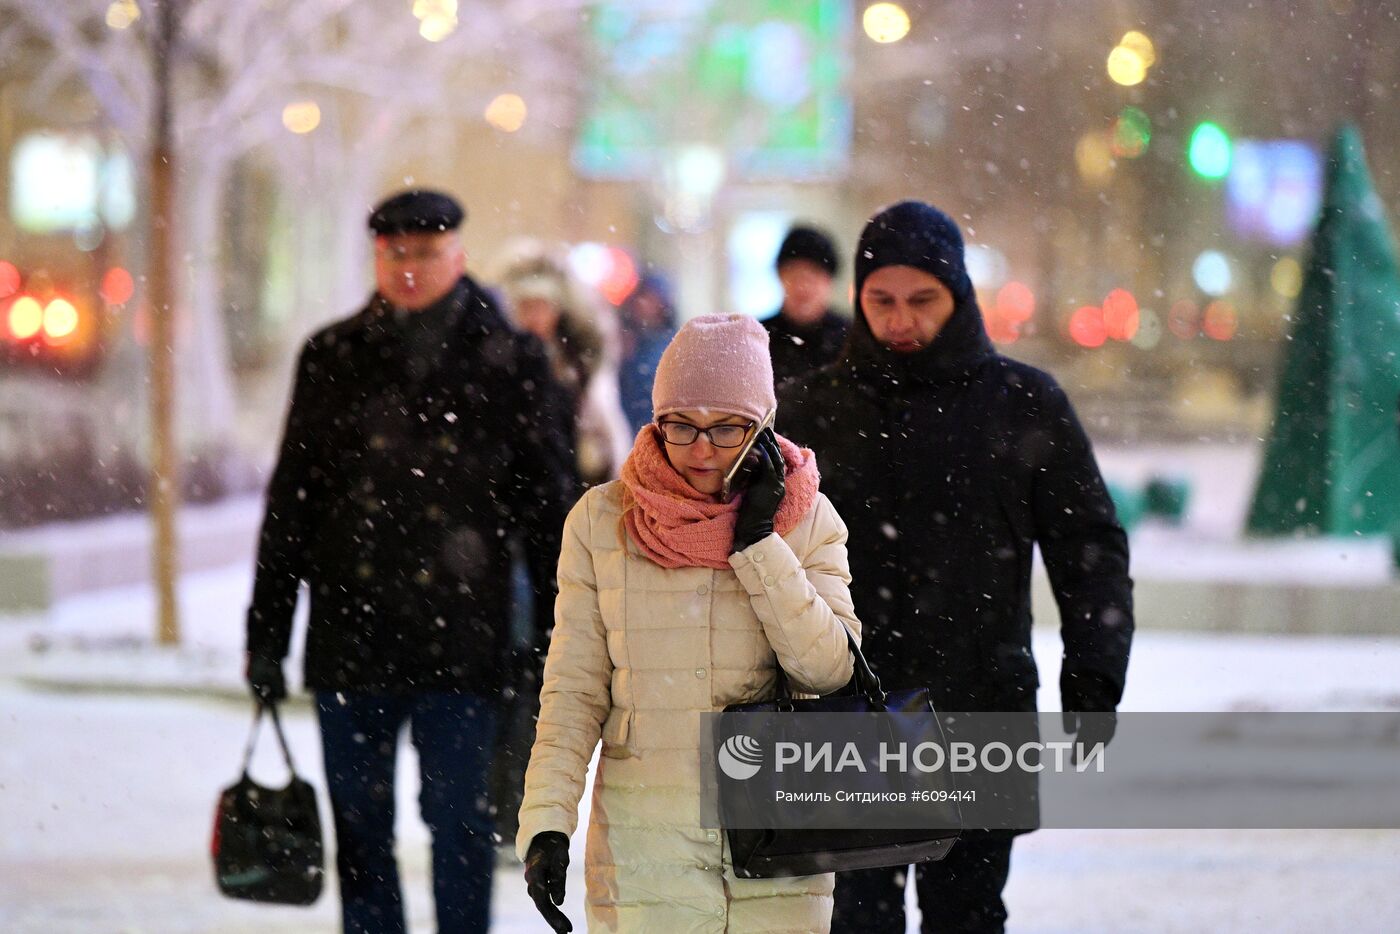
(112, 754)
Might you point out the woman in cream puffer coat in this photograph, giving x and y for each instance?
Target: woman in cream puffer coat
(657, 623)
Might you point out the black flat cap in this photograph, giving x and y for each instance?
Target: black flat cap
(417, 210)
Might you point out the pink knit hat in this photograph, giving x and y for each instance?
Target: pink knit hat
(717, 362)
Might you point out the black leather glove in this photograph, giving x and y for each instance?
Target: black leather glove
(265, 678)
(1089, 728)
(546, 862)
(763, 494)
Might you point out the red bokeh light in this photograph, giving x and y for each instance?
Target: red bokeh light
(117, 286)
(1220, 321)
(9, 279)
(1184, 319)
(621, 277)
(1087, 328)
(999, 328)
(1120, 315)
(1016, 302)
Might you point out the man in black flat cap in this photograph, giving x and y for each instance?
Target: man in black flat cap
(805, 334)
(420, 440)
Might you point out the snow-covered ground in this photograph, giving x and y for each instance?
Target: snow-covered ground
(106, 793)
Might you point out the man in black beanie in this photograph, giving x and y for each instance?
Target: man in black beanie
(419, 442)
(949, 464)
(805, 334)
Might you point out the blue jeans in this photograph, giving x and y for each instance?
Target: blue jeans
(454, 735)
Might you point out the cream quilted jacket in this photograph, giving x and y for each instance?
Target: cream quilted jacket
(639, 652)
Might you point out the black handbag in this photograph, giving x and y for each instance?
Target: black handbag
(267, 841)
(772, 853)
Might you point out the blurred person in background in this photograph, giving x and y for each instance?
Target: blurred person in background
(412, 443)
(805, 334)
(543, 299)
(941, 568)
(648, 319)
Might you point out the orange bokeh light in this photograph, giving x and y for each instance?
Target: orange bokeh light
(1120, 315)
(1220, 322)
(117, 286)
(1087, 328)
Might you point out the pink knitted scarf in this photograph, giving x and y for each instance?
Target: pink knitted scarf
(677, 526)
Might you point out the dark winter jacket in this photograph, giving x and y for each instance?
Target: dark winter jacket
(949, 465)
(799, 349)
(416, 445)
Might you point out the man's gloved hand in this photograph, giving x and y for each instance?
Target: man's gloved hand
(763, 495)
(546, 862)
(265, 678)
(1089, 728)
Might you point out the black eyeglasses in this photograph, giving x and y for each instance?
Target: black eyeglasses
(721, 436)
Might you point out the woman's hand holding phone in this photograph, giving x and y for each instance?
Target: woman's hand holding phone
(764, 493)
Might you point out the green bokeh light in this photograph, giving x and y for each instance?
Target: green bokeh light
(1209, 152)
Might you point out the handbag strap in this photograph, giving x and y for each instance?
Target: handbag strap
(867, 683)
(258, 709)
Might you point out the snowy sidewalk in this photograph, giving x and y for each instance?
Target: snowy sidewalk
(106, 805)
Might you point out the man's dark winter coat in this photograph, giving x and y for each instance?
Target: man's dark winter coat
(799, 349)
(415, 446)
(948, 465)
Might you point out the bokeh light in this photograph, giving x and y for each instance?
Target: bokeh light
(1120, 315)
(885, 22)
(1093, 155)
(1149, 332)
(60, 319)
(1211, 270)
(621, 277)
(1126, 66)
(301, 116)
(437, 18)
(1132, 131)
(1287, 277)
(117, 286)
(26, 317)
(1220, 321)
(9, 279)
(122, 13)
(1209, 151)
(506, 112)
(1086, 326)
(1138, 42)
(1184, 319)
(1016, 301)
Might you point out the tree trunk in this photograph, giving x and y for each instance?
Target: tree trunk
(164, 487)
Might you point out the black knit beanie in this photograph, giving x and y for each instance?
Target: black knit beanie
(810, 244)
(912, 233)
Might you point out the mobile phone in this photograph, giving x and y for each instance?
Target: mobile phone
(744, 464)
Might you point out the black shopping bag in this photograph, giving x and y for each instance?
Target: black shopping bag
(267, 841)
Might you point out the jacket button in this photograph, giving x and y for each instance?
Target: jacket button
(712, 835)
(758, 556)
(769, 581)
(702, 590)
(699, 672)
